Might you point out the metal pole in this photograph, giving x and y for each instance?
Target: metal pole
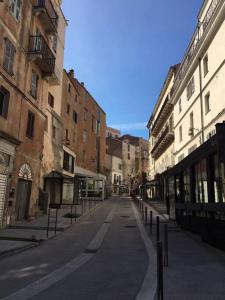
(71, 213)
(150, 221)
(159, 271)
(165, 244)
(48, 221)
(56, 219)
(146, 215)
(75, 211)
(157, 228)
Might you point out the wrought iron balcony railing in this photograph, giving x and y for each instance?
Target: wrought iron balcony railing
(40, 52)
(45, 10)
(197, 37)
(164, 139)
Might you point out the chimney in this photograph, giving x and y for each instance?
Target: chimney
(71, 73)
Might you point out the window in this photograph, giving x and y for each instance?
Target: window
(85, 114)
(67, 135)
(191, 129)
(115, 179)
(76, 98)
(9, 55)
(217, 180)
(128, 156)
(53, 132)
(4, 102)
(34, 85)
(15, 8)
(190, 88)
(205, 65)
(120, 166)
(207, 103)
(187, 187)
(54, 43)
(97, 127)
(30, 125)
(128, 147)
(201, 187)
(50, 100)
(119, 179)
(75, 116)
(180, 106)
(84, 136)
(68, 109)
(93, 123)
(69, 87)
(180, 134)
(84, 155)
(68, 162)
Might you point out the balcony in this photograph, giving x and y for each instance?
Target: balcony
(195, 42)
(41, 54)
(163, 141)
(46, 12)
(166, 109)
(55, 77)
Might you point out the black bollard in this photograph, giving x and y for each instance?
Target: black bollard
(165, 244)
(150, 222)
(146, 215)
(159, 271)
(157, 228)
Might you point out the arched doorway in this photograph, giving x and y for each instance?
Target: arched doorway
(23, 192)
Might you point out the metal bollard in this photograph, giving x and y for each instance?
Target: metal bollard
(146, 215)
(157, 228)
(159, 271)
(165, 244)
(150, 222)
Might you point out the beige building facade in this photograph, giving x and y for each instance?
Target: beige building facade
(194, 187)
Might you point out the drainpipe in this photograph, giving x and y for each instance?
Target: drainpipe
(201, 101)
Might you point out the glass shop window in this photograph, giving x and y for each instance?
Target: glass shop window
(217, 186)
(187, 188)
(201, 186)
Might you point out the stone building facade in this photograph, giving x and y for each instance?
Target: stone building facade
(31, 54)
(84, 130)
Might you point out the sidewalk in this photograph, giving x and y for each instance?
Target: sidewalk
(27, 234)
(196, 270)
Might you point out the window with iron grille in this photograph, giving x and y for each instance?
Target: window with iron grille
(34, 84)
(30, 125)
(9, 55)
(50, 100)
(15, 9)
(4, 102)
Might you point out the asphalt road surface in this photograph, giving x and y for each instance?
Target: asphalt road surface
(105, 255)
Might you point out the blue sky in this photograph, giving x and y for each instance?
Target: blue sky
(122, 50)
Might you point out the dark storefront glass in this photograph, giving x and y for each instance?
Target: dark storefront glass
(187, 188)
(201, 187)
(217, 184)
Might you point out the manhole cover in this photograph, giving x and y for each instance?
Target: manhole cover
(130, 226)
(125, 217)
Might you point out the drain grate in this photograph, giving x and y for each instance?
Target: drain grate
(90, 250)
(125, 217)
(130, 226)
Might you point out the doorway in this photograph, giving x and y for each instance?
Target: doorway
(23, 199)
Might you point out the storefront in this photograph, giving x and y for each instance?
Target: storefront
(196, 189)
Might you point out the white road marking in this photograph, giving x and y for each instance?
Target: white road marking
(47, 281)
(149, 285)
